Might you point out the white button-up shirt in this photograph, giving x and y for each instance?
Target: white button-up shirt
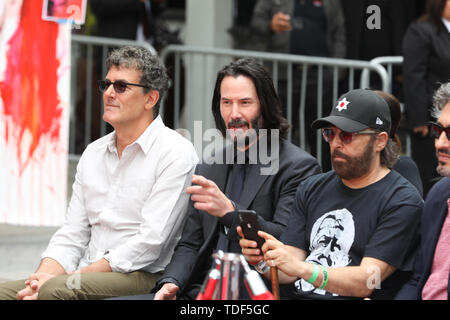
(128, 211)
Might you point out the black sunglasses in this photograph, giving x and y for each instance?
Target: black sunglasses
(346, 137)
(436, 130)
(119, 86)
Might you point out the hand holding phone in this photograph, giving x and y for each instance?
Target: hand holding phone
(250, 226)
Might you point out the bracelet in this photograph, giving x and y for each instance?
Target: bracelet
(325, 278)
(315, 274)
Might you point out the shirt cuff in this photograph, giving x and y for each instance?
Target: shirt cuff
(165, 280)
(117, 265)
(67, 265)
(227, 219)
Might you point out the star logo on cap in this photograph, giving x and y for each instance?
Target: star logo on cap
(342, 104)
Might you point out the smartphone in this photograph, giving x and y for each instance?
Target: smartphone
(250, 226)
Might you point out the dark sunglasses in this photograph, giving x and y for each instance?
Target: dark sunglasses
(119, 86)
(346, 137)
(436, 130)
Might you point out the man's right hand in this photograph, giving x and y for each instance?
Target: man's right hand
(167, 292)
(249, 248)
(280, 22)
(47, 269)
(33, 284)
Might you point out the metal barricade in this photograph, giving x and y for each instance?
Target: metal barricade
(389, 62)
(187, 54)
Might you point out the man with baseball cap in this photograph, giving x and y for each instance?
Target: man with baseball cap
(354, 230)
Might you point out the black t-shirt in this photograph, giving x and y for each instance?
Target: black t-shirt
(338, 226)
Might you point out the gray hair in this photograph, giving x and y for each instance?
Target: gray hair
(389, 154)
(440, 99)
(154, 74)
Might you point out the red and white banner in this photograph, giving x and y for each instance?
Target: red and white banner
(34, 115)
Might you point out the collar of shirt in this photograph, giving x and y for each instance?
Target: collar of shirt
(145, 140)
(446, 24)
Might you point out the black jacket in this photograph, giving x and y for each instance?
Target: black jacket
(426, 65)
(117, 18)
(366, 44)
(434, 213)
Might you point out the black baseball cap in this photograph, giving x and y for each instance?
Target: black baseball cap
(357, 110)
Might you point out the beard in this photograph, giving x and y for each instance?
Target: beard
(249, 136)
(443, 169)
(353, 167)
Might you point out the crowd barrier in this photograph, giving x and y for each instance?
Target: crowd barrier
(89, 54)
(389, 62)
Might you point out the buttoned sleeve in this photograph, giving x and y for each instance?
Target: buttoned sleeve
(69, 243)
(162, 215)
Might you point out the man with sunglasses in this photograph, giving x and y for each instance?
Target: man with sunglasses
(353, 229)
(431, 278)
(128, 202)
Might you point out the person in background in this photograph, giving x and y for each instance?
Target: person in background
(426, 52)
(123, 19)
(404, 164)
(310, 28)
(431, 278)
(375, 28)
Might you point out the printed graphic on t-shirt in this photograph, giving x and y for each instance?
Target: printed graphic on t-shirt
(332, 236)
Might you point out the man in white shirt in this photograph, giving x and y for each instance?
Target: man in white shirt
(128, 203)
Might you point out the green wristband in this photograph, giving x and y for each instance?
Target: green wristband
(325, 278)
(315, 274)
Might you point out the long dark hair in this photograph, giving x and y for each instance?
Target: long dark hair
(389, 154)
(433, 13)
(396, 111)
(267, 95)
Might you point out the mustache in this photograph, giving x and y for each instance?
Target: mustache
(237, 123)
(443, 151)
(340, 154)
(111, 102)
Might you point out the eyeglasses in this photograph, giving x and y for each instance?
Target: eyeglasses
(119, 86)
(346, 137)
(437, 129)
